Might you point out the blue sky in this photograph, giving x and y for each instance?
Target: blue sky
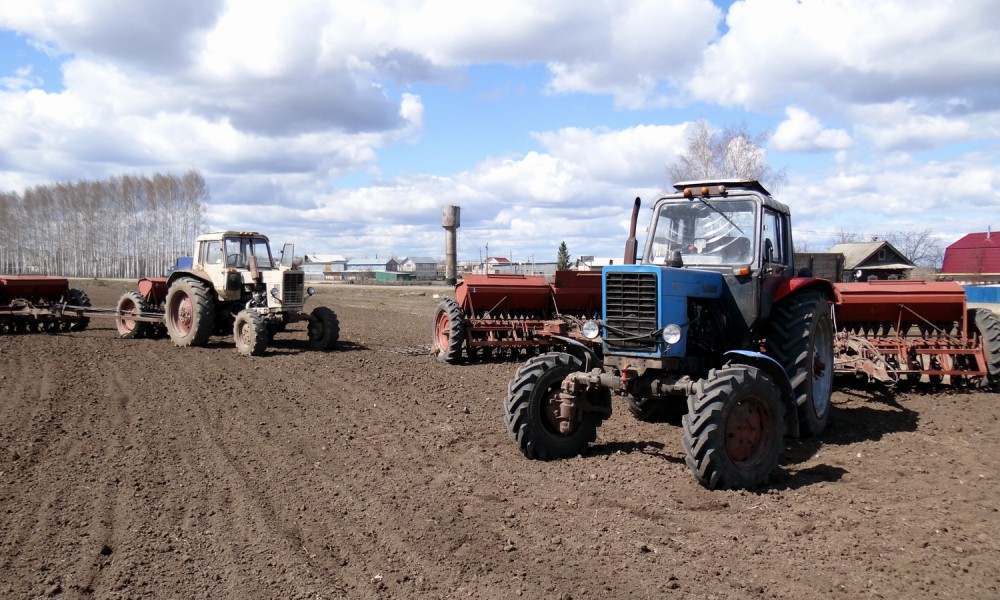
(345, 127)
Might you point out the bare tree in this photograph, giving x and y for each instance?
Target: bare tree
(844, 236)
(921, 247)
(736, 152)
(129, 226)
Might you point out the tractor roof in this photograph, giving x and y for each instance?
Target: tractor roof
(711, 187)
(218, 235)
(749, 184)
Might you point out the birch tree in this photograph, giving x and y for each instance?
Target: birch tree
(129, 226)
(735, 152)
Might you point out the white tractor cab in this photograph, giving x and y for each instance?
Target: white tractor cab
(235, 282)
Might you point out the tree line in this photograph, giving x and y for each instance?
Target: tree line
(128, 226)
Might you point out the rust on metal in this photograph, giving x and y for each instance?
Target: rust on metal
(523, 312)
(893, 331)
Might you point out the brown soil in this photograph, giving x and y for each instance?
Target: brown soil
(131, 468)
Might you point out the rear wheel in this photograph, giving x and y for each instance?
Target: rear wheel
(130, 305)
(734, 429)
(533, 409)
(190, 314)
(79, 298)
(988, 329)
(250, 333)
(800, 338)
(324, 328)
(449, 332)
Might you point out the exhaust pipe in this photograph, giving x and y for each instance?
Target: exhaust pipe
(631, 246)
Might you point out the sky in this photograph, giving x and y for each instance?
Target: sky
(345, 127)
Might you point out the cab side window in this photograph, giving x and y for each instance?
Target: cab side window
(213, 253)
(773, 236)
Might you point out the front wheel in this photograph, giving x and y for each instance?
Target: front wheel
(533, 409)
(324, 328)
(250, 333)
(734, 429)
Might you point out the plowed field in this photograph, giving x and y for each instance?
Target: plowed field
(134, 469)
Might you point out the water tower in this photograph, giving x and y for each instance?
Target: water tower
(450, 220)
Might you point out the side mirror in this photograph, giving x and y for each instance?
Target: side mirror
(768, 251)
(287, 255)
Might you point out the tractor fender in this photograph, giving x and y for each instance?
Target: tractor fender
(795, 285)
(580, 350)
(778, 374)
(174, 276)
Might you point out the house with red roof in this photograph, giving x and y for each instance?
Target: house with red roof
(973, 258)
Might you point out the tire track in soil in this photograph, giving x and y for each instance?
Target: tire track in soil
(64, 448)
(112, 508)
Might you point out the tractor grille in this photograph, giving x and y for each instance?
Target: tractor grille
(293, 287)
(630, 311)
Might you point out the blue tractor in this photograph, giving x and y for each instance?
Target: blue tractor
(712, 327)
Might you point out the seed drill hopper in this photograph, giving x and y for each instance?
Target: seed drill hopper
(906, 331)
(32, 303)
(511, 314)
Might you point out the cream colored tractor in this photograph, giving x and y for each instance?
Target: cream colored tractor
(235, 283)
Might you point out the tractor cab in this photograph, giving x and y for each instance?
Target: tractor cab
(240, 268)
(737, 241)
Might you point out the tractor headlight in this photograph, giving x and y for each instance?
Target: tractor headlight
(274, 291)
(672, 334)
(310, 291)
(591, 329)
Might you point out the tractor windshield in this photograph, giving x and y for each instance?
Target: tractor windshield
(704, 231)
(239, 250)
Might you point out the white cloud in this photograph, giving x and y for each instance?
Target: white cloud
(901, 125)
(645, 45)
(862, 52)
(802, 132)
(948, 197)
(274, 101)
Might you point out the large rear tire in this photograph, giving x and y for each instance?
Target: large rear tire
(988, 328)
(532, 407)
(250, 333)
(449, 332)
(324, 328)
(190, 314)
(79, 298)
(130, 305)
(800, 338)
(734, 429)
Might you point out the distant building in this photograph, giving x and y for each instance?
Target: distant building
(864, 261)
(393, 276)
(974, 258)
(421, 267)
(323, 266)
(825, 265)
(594, 263)
(331, 263)
(497, 264)
(372, 265)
